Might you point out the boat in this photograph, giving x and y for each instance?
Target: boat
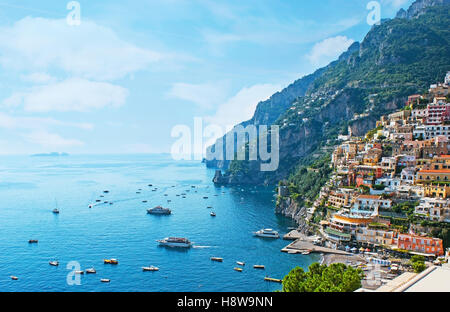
(258, 266)
(209, 207)
(33, 241)
(90, 206)
(306, 253)
(55, 211)
(98, 200)
(106, 191)
(275, 280)
(159, 211)
(79, 272)
(240, 263)
(14, 278)
(150, 268)
(91, 271)
(268, 233)
(110, 261)
(54, 263)
(212, 214)
(144, 201)
(175, 242)
(105, 280)
(216, 259)
(238, 269)
(205, 197)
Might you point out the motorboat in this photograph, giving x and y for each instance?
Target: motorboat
(14, 278)
(150, 268)
(90, 271)
(55, 211)
(110, 261)
(79, 272)
(33, 241)
(54, 263)
(267, 233)
(216, 259)
(105, 280)
(240, 263)
(175, 242)
(258, 266)
(238, 269)
(213, 214)
(159, 211)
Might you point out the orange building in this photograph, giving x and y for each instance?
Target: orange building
(416, 243)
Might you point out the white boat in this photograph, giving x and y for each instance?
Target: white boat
(150, 268)
(105, 280)
(240, 263)
(159, 211)
(216, 259)
(175, 242)
(91, 271)
(213, 214)
(54, 263)
(269, 233)
(79, 272)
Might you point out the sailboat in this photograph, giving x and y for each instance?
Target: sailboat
(56, 210)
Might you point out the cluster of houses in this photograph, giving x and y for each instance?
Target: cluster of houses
(406, 159)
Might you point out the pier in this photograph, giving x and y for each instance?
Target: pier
(304, 245)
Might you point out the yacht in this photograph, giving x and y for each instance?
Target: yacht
(269, 233)
(175, 242)
(159, 211)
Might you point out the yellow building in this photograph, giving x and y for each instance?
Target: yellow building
(437, 190)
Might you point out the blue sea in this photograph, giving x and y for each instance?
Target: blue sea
(31, 187)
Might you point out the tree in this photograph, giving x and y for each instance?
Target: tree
(418, 263)
(337, 277)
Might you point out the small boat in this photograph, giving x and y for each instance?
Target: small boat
(205, 197)
(258, 266)
(110, 261)
(270, 279)
(209, 207)
(150, 185)
(101, 196)
(111, 203)
(98, 200)
(138, 192)
(105, 280)
(91, 271)
(106, 191)
(305, 253)
(55, 211)
(150, 268)
(33, 241)
(14, 278)
(90, 206)
(212, 214)
(240, 263)
(144, 201)
(79, 272)
(267, 233)
(238, 269)
(216, 259)
(159, 211)
(54, 263)
(175, 242)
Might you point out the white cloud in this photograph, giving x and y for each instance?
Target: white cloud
(89, 50)
(38, 78)
(71, 95)
(204, 95)
(242, 106)
(51, 140)
(328, 50)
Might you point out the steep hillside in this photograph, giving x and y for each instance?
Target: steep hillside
(397, 58)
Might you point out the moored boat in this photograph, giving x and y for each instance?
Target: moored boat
(105, 280)
(216, 259)
(150, 268)
(238, 269)
(14, 278)
(90, 271)
(55, 211)
(175, 242)
(54, 263)
(259, 266)
(213, 214)
(159, 211)
(110, 261)
(267, 233)
(33, 241)
(240, 263)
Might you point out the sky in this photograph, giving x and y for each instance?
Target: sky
(119, 76)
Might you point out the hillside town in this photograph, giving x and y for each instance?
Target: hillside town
(390, 190)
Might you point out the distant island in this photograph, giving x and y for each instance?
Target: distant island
(53, 154)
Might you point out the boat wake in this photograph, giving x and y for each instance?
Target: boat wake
(203, 247)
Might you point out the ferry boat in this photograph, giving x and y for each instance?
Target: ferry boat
(54, 263)
(175, 242)
(269, 233)
(91, 271)
(159, 211)
(150, 268)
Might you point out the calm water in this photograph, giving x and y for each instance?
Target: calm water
(30, 186)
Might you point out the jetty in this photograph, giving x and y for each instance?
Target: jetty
(305, 244)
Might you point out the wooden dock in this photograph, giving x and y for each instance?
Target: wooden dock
(299, 246)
